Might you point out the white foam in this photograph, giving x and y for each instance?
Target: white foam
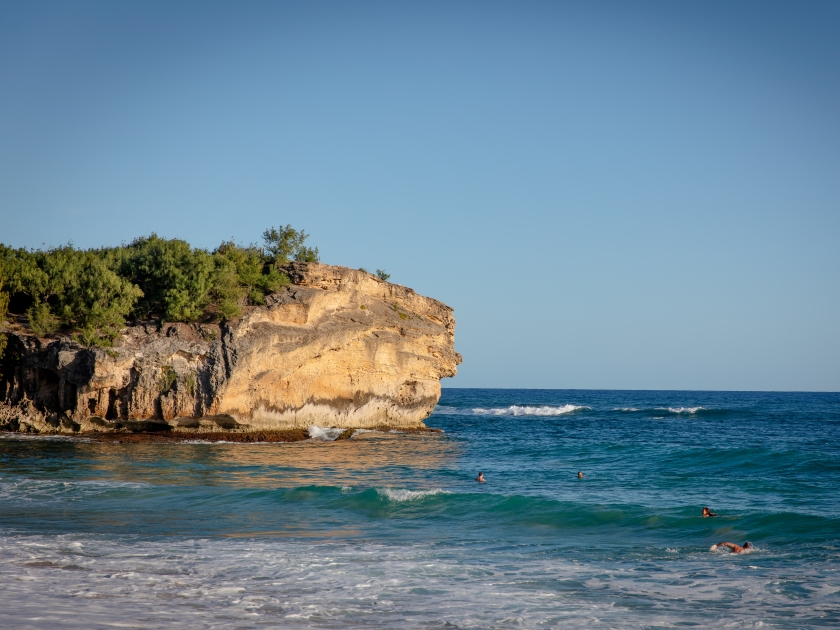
(260, 582)
(527, 410)
(401, 494)
(31, 489)
(684, 409)
(106, 483)
(719, 549)
(625, 409)
(320, 433)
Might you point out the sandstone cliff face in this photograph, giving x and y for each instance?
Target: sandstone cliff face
(338, 348)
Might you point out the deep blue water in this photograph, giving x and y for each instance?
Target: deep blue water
(390, 530)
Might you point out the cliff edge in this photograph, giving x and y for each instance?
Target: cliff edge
(338, 348)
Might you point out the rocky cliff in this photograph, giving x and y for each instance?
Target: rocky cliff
(338, 348)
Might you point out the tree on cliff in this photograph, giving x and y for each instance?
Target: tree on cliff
(90, 294)
(286, 243)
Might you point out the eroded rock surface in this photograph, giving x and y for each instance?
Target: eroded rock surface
(338, 348)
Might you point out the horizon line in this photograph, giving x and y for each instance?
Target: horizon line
(603, 389)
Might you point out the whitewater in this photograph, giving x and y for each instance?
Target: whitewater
(388, 530)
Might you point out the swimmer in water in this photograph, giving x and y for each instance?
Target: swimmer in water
(580, 475)
(480, 478)
(707, 513)
(735, 548)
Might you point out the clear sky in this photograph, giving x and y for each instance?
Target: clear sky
(610, 194)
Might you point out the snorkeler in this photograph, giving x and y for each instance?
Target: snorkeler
(735, 548)
(480, 478)
(707, 513)
(580, 475)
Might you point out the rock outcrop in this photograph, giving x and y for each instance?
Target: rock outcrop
(338, 348)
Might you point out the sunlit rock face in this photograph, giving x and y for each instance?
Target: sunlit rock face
(338, 348)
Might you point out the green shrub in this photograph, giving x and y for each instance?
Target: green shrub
(382, 275)
(243, 275)
(4, 305)
(41, 320)
(91, 293)
(98, 302)
(70, 288)
(167, 379)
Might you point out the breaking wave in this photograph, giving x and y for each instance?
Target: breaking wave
(401, 494)
(526, 410)
(319, 433)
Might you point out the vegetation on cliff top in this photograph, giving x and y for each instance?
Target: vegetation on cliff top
(91, 294)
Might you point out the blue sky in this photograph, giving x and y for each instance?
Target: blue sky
(610, 194)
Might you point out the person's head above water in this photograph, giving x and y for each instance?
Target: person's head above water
(480, 477)
(580, 475)
(748, 545)
(707, 512)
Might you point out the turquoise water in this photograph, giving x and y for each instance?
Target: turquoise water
(389, 530)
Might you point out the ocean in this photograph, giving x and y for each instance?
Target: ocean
(390, 530)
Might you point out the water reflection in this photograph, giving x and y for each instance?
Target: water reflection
(368, 459)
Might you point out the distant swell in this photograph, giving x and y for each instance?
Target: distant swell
(517, 410)
(674, 410)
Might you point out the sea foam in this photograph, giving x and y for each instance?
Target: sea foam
(526, 410)
(319, 433)
(401, 494)
(49, 489)
(188, 583)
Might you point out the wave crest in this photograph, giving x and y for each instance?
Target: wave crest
(527, 410)
(401, 494)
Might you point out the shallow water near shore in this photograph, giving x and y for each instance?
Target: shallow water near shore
(388, 530)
